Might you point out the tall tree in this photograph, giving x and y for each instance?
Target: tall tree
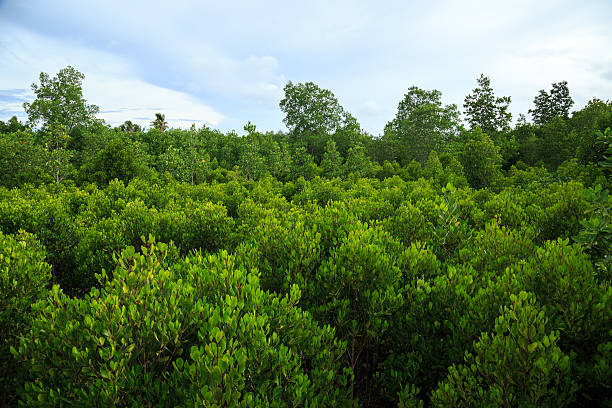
(422, 124)
(486, 111)
(312, 115)
(59, 100)
(129, 127)
(548, 106)
(160, 122)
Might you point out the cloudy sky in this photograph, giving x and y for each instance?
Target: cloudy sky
(224, 63)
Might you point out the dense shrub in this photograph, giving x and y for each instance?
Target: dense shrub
(404, 276)
(519, 364)
(493, 250)
(564, 282)
(199, 332)
(24, 276)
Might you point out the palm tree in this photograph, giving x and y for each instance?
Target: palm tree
(160, 122)
(130, 127)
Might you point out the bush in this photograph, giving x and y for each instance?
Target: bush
(199, 333)
(24, 276)
(519, 364)
(493, 250)
(565, 283)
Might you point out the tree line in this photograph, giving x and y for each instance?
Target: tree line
(62, 139)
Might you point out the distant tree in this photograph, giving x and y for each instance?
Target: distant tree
(484, 110)
(129, 127)
(433, 166)
(312, 115)
(198, 162)
(21, 160)
(527, 141)
(59, 101)
(184, 158)
(310, 109)
(557, 142)
(548, 106)
(160, 122)
(422, 124)
(12, 125)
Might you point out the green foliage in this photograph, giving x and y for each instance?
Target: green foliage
(518, 364)
(449, 229)
(357, 276)
(303, 165)
(556, 143)
(480, 159)
(117, 160)
(358, 163)
(312, 115)
(278, 160)
(13, 125)
(332, 161)
(21, 160)
(422, 124)
(493, 250)
(587, 123)
(596, 233)
(130, 127)
(59, 100)
(529, 178)
(310, 109)
(408, 224)
(357, 290)
(408, 398)
(58, 157)
(159, 122)
(251, 162)
(199, 333)
(24, 276)
(558, 211)
(485, 111)
(578, 304)
(604, 144)
(548, 106)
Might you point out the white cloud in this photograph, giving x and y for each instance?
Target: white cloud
(138, 101)
(576, 57)
(111, 82)
(256, 78)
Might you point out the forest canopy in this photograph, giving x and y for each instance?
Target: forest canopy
(442, 263)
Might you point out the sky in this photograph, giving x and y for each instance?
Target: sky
(225, 63)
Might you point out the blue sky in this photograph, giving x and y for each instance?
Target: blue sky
(225, 63)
